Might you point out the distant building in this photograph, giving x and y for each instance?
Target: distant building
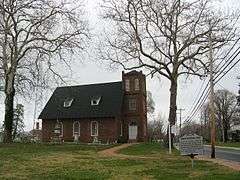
(106, 112)
(234, 132)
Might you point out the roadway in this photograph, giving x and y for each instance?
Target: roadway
(224, 153)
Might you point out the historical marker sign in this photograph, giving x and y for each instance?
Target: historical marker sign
(191, 145)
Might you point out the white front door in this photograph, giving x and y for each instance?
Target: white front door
(132, 132)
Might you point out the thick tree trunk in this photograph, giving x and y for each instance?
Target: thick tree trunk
(173, 102)
(9, 101)
(226, 132)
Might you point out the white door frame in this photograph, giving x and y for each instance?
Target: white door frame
(132, 131)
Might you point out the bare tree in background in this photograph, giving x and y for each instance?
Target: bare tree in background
(225, 104)
(204, 119)
(167, 38)
(156, 128)
(36, 35)
(191, 128)
(150, 104)
(18, 124)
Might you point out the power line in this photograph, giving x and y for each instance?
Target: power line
(198, 94)
(199, 104)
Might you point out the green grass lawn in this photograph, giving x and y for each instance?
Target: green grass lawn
(229, 144)
(71, 161)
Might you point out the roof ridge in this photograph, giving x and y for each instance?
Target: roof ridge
(90, 84)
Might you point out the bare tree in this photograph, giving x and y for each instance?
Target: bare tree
(156, 128)
(225, 104)
(205, 125)
(167, 38)
(150, 103)
(191, 128)
(36, 35)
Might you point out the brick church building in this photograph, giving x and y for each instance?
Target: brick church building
(106, 112)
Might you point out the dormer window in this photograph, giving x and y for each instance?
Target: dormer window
(95, 100)
(68, 102)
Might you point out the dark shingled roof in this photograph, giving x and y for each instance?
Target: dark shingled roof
(110, 104)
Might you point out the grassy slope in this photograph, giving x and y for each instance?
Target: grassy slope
(68, 161)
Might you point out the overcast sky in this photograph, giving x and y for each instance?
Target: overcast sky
(88, 70)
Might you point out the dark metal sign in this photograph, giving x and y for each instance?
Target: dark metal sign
(191, 145)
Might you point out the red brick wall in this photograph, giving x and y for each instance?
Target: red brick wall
(140, 115)
(108, 129)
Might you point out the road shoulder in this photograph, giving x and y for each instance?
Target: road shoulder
(225, 147)
(231, 164)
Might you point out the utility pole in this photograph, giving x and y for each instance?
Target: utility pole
(180, 120)
(212, 111)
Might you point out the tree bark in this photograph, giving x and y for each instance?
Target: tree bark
(9, 102)
(221, 120)
(173, 102)
(225, 131)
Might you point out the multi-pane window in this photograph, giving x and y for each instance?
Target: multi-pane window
(127, 85)
(136, 84)
(94, 128)
(76, 128)
(132, 104)
(58, 129)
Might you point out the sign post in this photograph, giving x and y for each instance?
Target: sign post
(169, 139)
(191, 145)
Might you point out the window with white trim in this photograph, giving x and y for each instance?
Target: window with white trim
(127, 84)
(94, 128)
(60, 129)
(95, 100)
(132, 104)
(67, 102)
(76, 128)
(136, 84)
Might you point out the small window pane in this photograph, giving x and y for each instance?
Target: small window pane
(127, 85)
(94, 128)
(76, 128)
(136, 83)
(58, 129)
(132, 104)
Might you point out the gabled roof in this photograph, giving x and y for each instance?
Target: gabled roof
(109, 106)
